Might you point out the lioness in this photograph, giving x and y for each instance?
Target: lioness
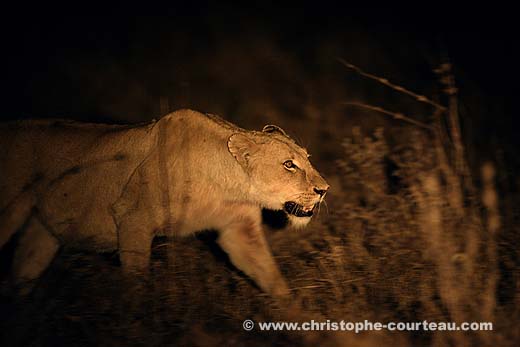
(113, 187)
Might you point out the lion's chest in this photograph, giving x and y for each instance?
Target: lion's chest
(200, 209)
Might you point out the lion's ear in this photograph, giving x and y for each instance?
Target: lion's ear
(273, 129)
(241, 147)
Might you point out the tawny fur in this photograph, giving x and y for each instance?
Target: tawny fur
(108, 187)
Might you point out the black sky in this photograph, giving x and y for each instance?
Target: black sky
(40, 38)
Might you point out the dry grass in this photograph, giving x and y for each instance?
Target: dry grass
(407, 238)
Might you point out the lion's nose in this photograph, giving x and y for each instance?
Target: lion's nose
(321, 191)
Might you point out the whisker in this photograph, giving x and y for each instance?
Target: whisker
(326, 206)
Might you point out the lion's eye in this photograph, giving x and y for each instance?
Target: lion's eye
(289, 165)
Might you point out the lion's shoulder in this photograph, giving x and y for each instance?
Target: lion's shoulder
(195, 118)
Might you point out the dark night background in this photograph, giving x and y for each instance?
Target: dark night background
(114, 62)
(256, 65)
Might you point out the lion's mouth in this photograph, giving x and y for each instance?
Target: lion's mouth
(298, 210)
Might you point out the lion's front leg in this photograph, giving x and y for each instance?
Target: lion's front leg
(135, 241)
(135, 224)
(244, 241)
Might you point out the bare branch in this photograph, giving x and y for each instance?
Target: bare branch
(395, 115)
(418, 97)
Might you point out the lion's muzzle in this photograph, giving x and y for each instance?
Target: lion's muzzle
(298, 210)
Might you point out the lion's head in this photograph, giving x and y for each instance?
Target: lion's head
(281, 176)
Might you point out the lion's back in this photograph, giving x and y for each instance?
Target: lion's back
(75, 170)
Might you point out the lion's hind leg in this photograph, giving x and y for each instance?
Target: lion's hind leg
(13, 217)
(34, 252)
